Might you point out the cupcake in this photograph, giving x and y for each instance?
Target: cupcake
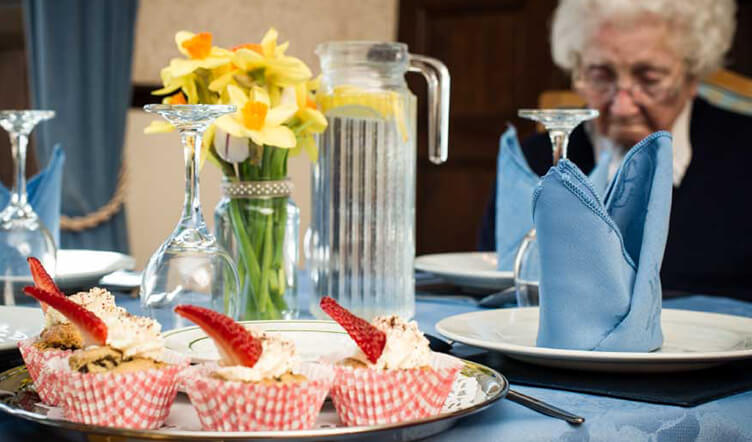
(393, 377)
(259, 382)
(59, 337)
(122, 376)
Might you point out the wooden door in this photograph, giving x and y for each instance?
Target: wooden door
(499, 59)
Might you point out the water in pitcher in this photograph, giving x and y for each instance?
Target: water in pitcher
(360, 246)
(362, 243)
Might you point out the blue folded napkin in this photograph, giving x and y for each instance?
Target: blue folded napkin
(600, 285)
(515, 183)
(44, 193)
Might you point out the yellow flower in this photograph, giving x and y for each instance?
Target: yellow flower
(178, 98)
(308, 119)
(257, 119)
(200, 55)
(158, 127)
(279, 69)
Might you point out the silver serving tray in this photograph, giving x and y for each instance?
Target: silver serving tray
(18, 398)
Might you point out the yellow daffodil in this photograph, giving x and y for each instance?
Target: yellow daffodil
(199, 52)
(159, 127)
(279, 69)
(178, 98)
(180, 73)
(257, 119)
(308, 119)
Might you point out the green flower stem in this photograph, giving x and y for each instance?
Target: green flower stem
(266, 260)
(259, 229)
(248, 260)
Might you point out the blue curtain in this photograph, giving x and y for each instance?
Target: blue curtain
(80, 66)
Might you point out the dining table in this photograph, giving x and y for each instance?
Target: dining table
(607, 418)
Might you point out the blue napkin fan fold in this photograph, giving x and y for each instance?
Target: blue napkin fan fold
(44, 192)
(515, 183)
(600, 258)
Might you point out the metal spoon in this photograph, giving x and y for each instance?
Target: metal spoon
(442, 346)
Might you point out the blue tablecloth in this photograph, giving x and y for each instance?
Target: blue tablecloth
(608, 419)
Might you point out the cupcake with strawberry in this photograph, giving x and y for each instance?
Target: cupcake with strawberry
(259, 382)
(393, 377)
(59, 336)
(122, 376)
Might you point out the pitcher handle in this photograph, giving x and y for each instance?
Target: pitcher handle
(437, 77)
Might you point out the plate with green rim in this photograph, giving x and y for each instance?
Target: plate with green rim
(313, 339)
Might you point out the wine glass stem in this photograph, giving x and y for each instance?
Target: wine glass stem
(191, 216)
(559, 142)
(18, 144)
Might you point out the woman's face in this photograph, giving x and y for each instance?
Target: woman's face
(635, 76)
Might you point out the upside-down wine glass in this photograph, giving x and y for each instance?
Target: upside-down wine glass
(559, 124)
(22, 233)
(190, 267)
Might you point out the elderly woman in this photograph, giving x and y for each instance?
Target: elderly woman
(639, 64)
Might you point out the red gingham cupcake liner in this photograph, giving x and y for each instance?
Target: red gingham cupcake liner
(136, 400)
(240, 406)
(36, 360)
(364, 396)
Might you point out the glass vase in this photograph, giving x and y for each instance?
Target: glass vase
(258, 223)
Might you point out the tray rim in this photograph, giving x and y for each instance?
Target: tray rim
(313, 434)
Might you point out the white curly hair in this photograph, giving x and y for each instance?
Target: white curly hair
(705, 27)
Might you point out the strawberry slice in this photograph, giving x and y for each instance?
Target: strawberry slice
(92, 329)
(369, 338)
(236, 345)
(42, 279)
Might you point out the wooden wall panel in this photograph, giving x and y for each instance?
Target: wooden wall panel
(497, 54)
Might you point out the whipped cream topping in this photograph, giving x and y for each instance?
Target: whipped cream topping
(98, 301)
(277, 358)
(405, 347)
(135, 336)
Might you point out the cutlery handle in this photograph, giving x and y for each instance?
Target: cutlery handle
(544, 408)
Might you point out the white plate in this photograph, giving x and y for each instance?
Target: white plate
(84, 268)
(468, 269)
(17, 324)
(691, 340)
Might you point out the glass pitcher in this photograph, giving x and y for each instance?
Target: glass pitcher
(360, 246)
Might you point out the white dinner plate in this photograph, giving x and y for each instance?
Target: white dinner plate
(467, 269)
(78, 269)
(691, 340)
(17, 324)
